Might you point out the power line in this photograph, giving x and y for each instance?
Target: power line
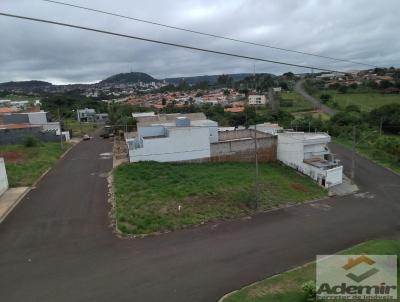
(208, 34)
(165, 43)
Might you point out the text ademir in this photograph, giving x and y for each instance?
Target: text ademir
(344, 289)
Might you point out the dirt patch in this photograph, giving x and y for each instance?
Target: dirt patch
(12, 157)
(263, 290)
(298, 187)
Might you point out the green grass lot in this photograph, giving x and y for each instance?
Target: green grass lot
(79, 129)
(148, 194)
(25, 165)
(368, 149)
(366, 100)
(286, 287)
(299, 104)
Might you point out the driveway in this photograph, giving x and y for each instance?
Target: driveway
(57, 244)
(316, 103)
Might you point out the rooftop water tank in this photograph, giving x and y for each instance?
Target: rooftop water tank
(182, 122)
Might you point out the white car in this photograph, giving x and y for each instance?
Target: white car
(86, 137)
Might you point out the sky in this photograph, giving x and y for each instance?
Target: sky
(360, 30)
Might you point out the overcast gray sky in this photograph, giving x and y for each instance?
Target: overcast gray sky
(361, 30)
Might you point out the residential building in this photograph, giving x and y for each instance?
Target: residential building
(3, 177)
(15, 127)
(234, 109)
(172, 137)
(257, 99)
(188, 137)
(309, 154)
(5, 103)
(86, 115)
(101, 117)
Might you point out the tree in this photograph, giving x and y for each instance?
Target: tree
(352, 108)
(325, 98)
(388, 115)
(343, 89)
(385, 84)
(225, 80)
(353, 85)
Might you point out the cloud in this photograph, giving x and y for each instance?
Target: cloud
(356, 30)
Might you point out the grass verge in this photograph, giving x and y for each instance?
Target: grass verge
(286, 287)
(25, 165)
(152, 197)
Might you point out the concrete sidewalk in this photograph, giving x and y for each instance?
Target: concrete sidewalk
(10, 199)
(345, 188)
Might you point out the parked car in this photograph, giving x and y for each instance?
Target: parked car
(107, 132)
(86, 137)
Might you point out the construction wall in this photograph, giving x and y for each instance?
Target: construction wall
(17, 136)
(3, 177)
(239, 146)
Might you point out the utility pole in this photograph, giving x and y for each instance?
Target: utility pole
(353, 156)
(257, 193)
(61, 137)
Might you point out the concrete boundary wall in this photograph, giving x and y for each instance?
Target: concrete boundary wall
(239, 146)
(17, 136)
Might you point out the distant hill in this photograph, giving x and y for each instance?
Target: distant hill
(131, 77)
(24, 85)
(211, 79)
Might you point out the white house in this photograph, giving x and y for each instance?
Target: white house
(172, 137)
(270, 128)
(86, 115)
(142, 114)
(37, 118)
(309, 154)
(256, 99)
(3, 177)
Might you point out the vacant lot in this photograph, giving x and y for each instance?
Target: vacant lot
(25, 164)
(370, 148)
(294, 102)
(366, 101)
(79, 129)
(153, 197)
(286, 287)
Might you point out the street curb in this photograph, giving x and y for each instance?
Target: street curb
(16, 202)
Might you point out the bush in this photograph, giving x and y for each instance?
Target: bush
(286, 103)
(325, 98)
(343, 89)
(310, 291)
(30, 141)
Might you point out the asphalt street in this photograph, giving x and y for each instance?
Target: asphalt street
(57, 244)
